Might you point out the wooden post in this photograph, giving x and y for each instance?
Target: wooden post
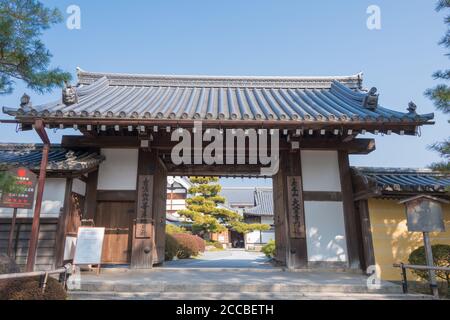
(429, 257)
(37, 210)
(368, 256)
(349, 211)
(11, 233)
(290, 234)
(62, 225)
(91, 196)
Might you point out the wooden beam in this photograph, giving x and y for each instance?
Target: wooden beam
(322, 196)
(349, 211)
(40, 129)
(162, 141)
(395, 126)
(116, 195)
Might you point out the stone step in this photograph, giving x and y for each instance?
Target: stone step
(162, 287)
(113, 295)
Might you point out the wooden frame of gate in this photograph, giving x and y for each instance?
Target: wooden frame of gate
(154, 164)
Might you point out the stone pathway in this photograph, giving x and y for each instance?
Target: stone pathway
(232, 258)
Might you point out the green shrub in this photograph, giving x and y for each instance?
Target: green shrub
(172, 229)
(28, 289)
(441, 258)
(171, 248)
(188, 245)
(218, 245)
(269, 249)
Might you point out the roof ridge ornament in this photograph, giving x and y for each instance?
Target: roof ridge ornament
(25, 102)
(69, 94)
(371, 99)
(412, 107)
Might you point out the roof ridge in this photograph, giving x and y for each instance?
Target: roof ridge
(88, 77)
(397, 170)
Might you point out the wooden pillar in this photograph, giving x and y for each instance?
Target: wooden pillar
(62, 225)
(290, 234)
(350, 220)
(367, 255)
(159, 211)
(34, 237)
(91, 195)
(148, 241)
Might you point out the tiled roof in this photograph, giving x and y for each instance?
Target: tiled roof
(238, 196)
(60, 159)
(263, 203)
(295, 99)
(407, 180)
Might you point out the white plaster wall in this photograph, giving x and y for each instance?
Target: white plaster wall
(267, 236)
(119, 170)
(267, 220)
(53, 201)
(259, 237)
(320, 171)
(79, 187)
(252, 237)
(325, 231)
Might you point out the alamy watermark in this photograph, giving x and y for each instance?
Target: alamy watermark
(374, 279)
(227, 146)
(73, 21)
(374, 20)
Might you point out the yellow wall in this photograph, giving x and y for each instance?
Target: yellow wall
(391, 240)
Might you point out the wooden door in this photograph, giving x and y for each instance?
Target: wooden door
(117, 219)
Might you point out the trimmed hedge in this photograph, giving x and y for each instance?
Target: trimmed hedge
(441, 258)
(269, 249)
(28, 289)
(183, 246)
(171, 247)
(187, 245)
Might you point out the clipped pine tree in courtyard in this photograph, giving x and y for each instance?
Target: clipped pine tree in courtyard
(206, 216)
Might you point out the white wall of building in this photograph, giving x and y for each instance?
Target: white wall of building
(119, 170)
(53, 201)
(325, 228)
(325, 231)
(320, 171)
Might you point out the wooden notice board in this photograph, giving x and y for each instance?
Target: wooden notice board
(89, 246)
(295, 207)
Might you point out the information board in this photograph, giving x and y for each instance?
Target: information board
(26, 181)
(89, 246)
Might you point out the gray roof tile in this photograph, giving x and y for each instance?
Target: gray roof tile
(103, 95)
(59, 160)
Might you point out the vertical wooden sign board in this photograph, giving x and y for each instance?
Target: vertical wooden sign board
(295, 208)
(141, 257)
(26, 181)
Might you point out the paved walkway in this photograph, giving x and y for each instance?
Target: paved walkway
(233, 258)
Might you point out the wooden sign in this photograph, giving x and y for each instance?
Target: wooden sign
(145, 197)
(424, 215)
(26, 180)
(143, 230)
(89, 246)
(295, 208)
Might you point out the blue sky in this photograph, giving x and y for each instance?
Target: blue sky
(259, 37)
